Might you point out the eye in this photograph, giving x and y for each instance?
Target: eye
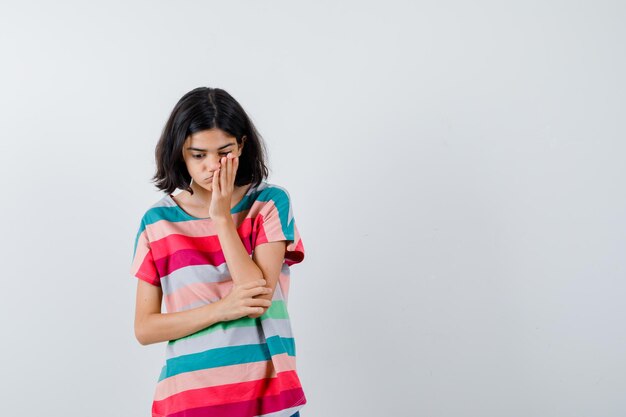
(200, 155)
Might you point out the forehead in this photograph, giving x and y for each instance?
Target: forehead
(209, 139)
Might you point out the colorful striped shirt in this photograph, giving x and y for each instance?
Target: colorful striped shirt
(244, 367)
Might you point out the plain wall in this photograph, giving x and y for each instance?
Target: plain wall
(456, 170)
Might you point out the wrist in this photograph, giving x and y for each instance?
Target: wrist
(222, 220)
(216, 306)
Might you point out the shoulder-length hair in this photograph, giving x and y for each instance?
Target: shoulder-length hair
(201, 109)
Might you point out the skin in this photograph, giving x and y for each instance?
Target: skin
(213, 169)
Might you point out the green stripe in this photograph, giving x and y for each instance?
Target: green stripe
(277, 310)
(230, 355)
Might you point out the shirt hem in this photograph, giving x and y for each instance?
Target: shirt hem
(299, 402)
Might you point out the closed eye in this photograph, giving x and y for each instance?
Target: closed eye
(201, 155)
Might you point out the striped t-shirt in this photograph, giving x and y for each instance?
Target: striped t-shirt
(244, 367)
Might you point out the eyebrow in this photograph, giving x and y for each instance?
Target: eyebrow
(191, 148)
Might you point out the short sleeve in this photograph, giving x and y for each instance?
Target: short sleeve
(143, 265)
(275, 222)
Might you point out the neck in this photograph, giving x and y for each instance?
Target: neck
(201, 195)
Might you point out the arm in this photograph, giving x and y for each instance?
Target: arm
(242, 268)
(151, 326)
(269, 257)
(266, 262)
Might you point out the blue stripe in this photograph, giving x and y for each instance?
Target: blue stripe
(230, 355)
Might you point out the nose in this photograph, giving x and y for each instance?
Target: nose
(213, 162)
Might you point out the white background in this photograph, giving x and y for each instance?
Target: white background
(456, 171)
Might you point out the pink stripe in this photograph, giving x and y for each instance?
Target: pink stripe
(224, 375)
(208, 292)
(271, 225)
(192, 256)
(199, 291)
(285, 400)
(270, 229)
(199, 228)
(178, 244)
(192, 228)
(140, 253)
(260, 397)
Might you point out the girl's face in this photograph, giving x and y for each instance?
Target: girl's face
(203, 152)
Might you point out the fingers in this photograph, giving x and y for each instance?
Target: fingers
(229, 168)
(258, 290)
(259, 302)
(259, 305)
(256, 310)
(216, 176)
(234, 163)
(224, 173)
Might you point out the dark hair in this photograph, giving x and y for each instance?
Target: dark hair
(201, 109)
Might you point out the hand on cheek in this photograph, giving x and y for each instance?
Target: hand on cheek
(223, 186)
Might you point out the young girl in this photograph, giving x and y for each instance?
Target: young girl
(218, 254)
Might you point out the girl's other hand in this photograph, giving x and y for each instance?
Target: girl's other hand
(240, 301)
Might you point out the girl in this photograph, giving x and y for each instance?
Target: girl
(218, 254)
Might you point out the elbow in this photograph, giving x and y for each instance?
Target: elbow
(141, 336)
(141, 341)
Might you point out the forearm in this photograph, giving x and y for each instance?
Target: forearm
(241, 267)
(161, 327)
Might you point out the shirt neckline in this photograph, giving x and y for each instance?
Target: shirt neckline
(189, 216)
